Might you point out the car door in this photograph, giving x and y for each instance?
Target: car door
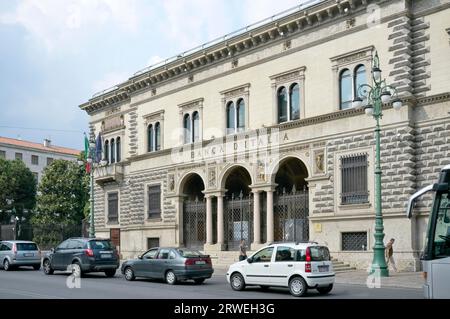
(162, 263)
(144, 267)
(58, 255)
(4, 251)
(283, 265)
(258, 271)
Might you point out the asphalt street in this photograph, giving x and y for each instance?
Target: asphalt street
(27, 283)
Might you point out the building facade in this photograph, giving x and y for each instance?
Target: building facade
(35, 156)
(253, 136)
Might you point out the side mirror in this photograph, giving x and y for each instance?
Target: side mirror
(140, 256)
(250, 260)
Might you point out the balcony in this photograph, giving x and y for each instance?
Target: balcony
(108, 173)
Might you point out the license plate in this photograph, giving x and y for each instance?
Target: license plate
(28, 255)
(106, 256)
(323, 268)
(200, 262)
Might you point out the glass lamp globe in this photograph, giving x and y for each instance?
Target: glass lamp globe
(385, 97)
(376, 74)
(369, 110)
(357, 102)
(397, 104)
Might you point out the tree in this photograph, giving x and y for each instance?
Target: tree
(17, 190)
(62, 196)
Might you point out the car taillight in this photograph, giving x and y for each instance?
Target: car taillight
(14, 249)
(307, 267)
(189, 262)
(89, 252)
(308, 254)
(208, 260)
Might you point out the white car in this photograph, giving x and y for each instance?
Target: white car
(298, 266)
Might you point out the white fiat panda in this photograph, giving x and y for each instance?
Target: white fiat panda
(298, 266)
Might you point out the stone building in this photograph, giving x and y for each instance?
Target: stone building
(253, 136)
(36, 156)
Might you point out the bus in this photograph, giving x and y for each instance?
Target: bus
(436, 254)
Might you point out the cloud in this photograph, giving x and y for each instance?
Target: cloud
(54, 23)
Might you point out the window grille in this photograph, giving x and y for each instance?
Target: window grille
(354, 241)
(354, 179)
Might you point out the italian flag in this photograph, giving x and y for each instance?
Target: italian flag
(86, 153)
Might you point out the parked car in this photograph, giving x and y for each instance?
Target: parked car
(83, 255)
(298, 266)
(15, 253)
(171, 264)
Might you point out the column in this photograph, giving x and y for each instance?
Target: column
(270, 216)
(256, 219)
(209, 222)
(220, 240)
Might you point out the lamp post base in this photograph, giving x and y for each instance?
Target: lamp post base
(379, 267)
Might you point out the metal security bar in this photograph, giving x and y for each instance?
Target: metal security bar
(194, 223)
(238, 220)
(354, 241)
(354, 179)
(291, 211)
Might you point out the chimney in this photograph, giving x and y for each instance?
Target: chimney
(47, 142)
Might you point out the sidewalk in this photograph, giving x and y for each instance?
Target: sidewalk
(412, 280)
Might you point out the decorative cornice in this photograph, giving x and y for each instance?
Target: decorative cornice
(236, 91)
(158, 115)
(433, 99)
(198, 103)
(288, 75)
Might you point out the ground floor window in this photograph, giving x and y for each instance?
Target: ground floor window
(113, 207)
(354, 241)
(152, 242)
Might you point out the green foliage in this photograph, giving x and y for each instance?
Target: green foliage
(62, 195)
(17, 183)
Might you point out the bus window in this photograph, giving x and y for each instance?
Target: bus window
(441, 245)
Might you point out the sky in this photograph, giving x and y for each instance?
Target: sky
(55, 54)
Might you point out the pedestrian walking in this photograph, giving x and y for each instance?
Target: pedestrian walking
(242, 250)
(389, 252)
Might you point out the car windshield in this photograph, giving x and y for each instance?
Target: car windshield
(319, 253)
(26, 246)
(100, 244)
(189, 253)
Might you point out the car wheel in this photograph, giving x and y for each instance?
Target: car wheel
(325, 290)
(171, 278)
(6, 265)
(48, 270)
(237, 282)
(76, 269)
(129, 274)
(110, 273)
(37, 267)
(264, 288)
(298, 287)
(199, 281)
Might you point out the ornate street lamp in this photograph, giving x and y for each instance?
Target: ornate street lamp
(91, 161)
(374, 97)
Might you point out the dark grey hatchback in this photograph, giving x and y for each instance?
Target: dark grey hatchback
(83, 255)
(171, 264)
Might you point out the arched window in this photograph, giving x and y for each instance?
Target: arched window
(345, 84)
(150, 144)
(118, 149)
(195, 126)
(106, 151)
(294, 102)
(187, 128)
(240, 115)
(230, 117)
(282, 105)
(157, 136)
(113, 151)
(360, 77)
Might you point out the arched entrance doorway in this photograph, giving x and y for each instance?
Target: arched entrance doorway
(291, 202)
(238, 208)
(194, 212)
